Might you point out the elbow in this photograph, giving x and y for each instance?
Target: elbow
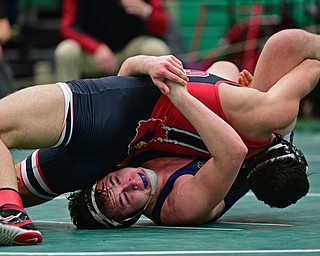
(241, 150)
(315, 66)
(239, 156)
(235, 153)
(313, 73)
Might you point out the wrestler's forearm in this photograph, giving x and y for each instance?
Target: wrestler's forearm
(140, 65)
(216, 176)
(160, 69)
(165, 67)
(133, 66)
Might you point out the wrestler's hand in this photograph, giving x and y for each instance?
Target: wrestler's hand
(106, 59)
(160, 69)
(138, 8)
(164, 68)
(245, 78)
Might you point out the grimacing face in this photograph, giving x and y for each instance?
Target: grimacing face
(125, 192)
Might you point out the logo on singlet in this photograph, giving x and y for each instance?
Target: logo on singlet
(198, 73)
(147, 131)
(155, 131)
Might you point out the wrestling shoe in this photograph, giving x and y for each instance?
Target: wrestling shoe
(16, 228)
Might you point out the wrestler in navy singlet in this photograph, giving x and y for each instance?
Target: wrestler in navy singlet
(238, 189)
(105, 113)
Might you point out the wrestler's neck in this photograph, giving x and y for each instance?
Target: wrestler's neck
(164, 167)
(254, 151)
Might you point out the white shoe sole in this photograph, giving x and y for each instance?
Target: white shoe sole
(12, 235)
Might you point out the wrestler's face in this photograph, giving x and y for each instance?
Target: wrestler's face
(125, 192)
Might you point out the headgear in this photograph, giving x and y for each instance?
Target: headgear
(278, 149)
(110, 223)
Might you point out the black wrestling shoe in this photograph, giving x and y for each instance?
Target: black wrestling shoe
(16, 228)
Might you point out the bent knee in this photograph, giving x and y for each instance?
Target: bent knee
(286, 41)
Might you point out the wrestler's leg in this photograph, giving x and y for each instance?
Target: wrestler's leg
(28, 198)
(225, 69)
(284, 51)
(32, 117)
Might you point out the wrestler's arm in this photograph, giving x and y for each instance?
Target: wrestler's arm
(158, 68)
(194, 198)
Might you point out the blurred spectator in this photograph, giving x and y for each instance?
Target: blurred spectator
(6, 77)
(313, 10)
(231, 46)
(101, 34)
(312, 104)
(173, 37)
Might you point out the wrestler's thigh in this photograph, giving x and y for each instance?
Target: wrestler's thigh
(32, 117)
(278, 57)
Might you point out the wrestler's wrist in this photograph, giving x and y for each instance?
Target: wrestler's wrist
(178, 95)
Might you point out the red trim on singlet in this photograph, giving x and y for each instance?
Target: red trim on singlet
(67, 133)
(72, 115)
(22, 180)
(41, 174)
(63, 130)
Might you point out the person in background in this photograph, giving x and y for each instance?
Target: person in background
(6, 76)
(100, 35)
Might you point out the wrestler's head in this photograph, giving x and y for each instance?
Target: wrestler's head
(278, 176)
(117, 200)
